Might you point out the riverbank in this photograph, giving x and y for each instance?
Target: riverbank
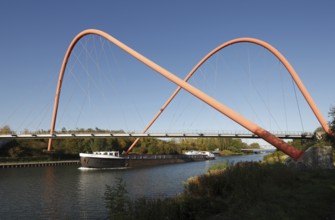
(230, 153)
(39, 164)
(249, 190)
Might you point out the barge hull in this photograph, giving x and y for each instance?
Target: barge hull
(139, 160)
(152, 162)
(91, 162)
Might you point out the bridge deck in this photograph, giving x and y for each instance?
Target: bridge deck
(148, 135)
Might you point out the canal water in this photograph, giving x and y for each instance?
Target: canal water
(69, 192)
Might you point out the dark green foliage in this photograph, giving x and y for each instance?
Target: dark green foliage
(246, 191)
(262, 191)
(117, 200)
(19, 150)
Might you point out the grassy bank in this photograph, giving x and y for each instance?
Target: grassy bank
(243, 191)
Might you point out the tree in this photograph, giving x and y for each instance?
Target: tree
(5, 130)
(117, 200)
(255, 146)
(332, 125)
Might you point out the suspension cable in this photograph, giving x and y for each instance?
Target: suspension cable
(284, 97)
(296, 99)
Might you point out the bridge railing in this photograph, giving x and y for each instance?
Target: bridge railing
(179, 134)
(208, 132)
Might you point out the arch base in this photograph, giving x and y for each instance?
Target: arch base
(313, 158)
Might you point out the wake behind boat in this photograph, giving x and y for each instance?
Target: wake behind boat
(113, 159)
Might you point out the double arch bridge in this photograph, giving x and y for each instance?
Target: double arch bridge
(255, 129)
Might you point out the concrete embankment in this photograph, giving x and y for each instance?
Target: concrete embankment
(39, 164)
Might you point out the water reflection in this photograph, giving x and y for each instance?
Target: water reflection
(71, 193)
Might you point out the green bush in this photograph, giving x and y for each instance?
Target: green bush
(117, 200)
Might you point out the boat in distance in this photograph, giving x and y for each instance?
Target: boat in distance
(113, 159)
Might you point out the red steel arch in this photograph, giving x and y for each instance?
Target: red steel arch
(275, 52)
(267, 136)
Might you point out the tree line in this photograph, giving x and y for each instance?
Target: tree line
(72, 147)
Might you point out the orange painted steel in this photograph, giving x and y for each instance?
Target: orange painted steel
(267, 136)
(275, 52)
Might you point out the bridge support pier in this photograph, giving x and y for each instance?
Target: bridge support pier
(313, 158)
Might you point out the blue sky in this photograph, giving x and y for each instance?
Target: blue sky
(176, 35)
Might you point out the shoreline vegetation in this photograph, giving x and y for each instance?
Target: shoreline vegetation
(246, 190)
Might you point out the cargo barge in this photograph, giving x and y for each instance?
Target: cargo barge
(113, 159)
(40, 164)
